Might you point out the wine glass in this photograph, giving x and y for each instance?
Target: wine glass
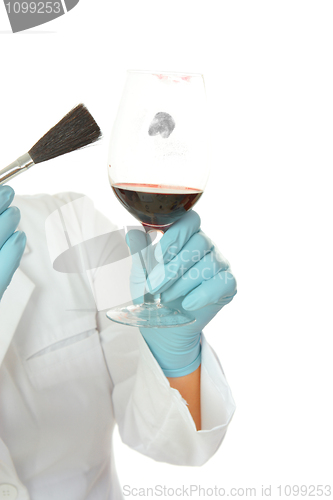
(158, 166)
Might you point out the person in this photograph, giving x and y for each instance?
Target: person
(68, 375)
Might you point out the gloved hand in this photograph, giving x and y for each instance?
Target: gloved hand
(11, 244)
(192, 275)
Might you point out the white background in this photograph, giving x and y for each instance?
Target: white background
(269, 79)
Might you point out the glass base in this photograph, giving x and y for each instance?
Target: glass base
(149, 316)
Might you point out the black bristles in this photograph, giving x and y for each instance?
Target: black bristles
(76, 130)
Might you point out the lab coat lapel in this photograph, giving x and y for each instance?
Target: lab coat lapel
(12, 306)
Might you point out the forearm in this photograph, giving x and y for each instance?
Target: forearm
(189, 388)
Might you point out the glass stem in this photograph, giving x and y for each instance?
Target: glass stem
(150, 264)
(152, 299)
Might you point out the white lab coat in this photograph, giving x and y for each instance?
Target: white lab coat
(68, 376)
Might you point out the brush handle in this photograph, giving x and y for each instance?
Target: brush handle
(17, 167)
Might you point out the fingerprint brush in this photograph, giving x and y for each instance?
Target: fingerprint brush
(76, 130)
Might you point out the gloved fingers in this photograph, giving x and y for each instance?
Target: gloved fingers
(10, 257)
(177, 236)
(163, 276)
(211, 264)
(9, 220)
(220, 289)
(6, 197)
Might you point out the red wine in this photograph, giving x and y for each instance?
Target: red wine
(155, 205)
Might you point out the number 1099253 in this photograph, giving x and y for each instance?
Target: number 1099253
(33, 7)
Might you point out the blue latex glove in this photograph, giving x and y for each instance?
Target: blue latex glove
(11, 244)
(191, 274)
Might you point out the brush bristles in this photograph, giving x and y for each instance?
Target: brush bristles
(76, 130)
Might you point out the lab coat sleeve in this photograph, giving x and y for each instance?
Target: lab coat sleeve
(152, 417)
